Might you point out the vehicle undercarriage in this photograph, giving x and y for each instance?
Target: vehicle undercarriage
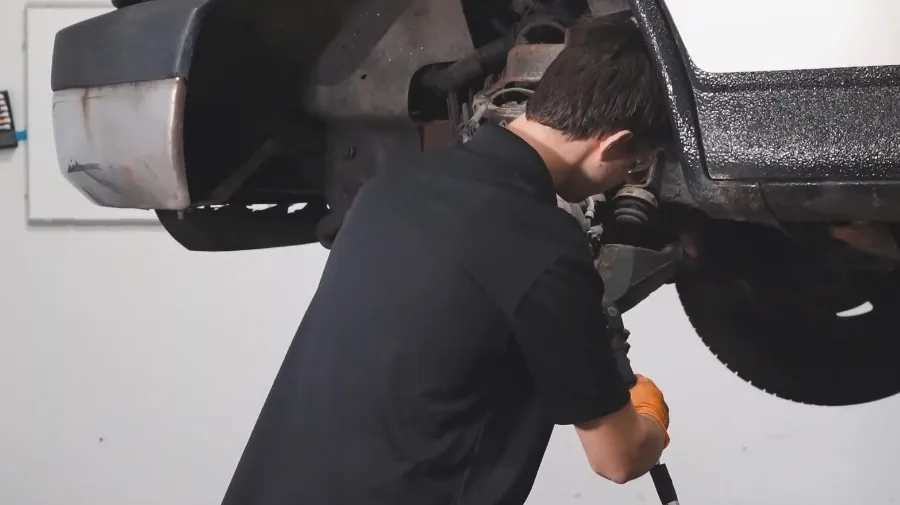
(274, 113)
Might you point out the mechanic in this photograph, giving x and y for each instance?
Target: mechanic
(458, 318)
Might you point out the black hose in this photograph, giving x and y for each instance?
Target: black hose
(464, 70)
(663, 484)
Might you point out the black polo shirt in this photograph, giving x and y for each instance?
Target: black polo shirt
(457, 320)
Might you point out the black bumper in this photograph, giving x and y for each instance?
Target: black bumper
(119, 84)
(144, 42)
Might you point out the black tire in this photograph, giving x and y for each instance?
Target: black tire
(768, 306)
(805, 355)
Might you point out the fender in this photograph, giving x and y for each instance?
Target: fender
(800, 137)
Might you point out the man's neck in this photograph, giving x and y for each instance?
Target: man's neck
(561, 155)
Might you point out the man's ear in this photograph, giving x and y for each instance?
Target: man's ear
(615, 145)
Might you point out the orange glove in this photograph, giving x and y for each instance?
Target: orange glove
(648, 400)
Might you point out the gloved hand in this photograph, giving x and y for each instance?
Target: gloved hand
(648, 400)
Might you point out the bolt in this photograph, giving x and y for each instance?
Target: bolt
(608, 256)
(612, 311)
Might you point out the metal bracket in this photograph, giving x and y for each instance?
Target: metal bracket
(606, 7)
(630, 274)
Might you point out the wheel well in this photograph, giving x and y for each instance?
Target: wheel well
(773, 308)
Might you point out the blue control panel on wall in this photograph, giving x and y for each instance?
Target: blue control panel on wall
(9, 138)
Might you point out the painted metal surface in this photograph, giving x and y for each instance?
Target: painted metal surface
(122, 145)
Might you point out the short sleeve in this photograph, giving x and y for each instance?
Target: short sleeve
(563, 335)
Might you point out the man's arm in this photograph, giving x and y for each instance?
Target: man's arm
(562, 333)
(624, 445)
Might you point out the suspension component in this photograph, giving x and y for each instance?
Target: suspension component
(634, 205)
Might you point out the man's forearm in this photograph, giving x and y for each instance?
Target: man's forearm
(624, 445)
(648, 447)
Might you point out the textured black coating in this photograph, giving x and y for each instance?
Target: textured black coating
(805, 145)
(793, 79)
(688, 182)
(143, 42)
(822, 124)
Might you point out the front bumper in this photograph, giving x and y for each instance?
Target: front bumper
(119, 83)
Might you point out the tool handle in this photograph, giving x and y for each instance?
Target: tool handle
(659, 473)
(621, 346)
(663, 483)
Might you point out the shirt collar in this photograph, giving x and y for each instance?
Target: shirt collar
(513, 155)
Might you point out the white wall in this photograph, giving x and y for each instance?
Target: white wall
(131, 372)
(798, 34)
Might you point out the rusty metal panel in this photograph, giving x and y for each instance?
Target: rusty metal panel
(424, 33)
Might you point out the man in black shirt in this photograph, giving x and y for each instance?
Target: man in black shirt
(458, 318)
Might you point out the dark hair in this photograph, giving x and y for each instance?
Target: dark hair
(603, 81)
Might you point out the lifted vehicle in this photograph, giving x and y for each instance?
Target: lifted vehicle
(772, 213)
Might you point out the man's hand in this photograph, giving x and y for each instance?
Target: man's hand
(648, 401)
(626, 444)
